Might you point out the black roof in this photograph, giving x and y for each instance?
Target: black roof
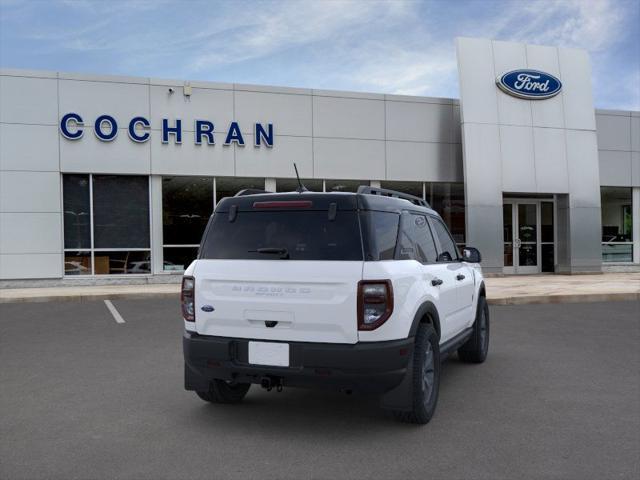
(322, 200)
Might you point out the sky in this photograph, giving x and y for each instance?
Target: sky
(403, 47)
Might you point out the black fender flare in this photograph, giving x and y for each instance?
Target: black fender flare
(427, 309)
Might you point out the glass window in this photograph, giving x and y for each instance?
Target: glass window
(617, 224)
(119, 214)
(77, 263)
(448, 250)
(380, 234)
(416, 239)
(77, 214)
(294, 235)
(344, 185)
(120, 211)
(229, 186)
(412, 188)
(448, 200)
(187, 204)
(291, 184)
(177, 259)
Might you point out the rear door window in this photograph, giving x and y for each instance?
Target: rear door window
(416, 241)
(448, 251)
(276, 235)
(380, 234)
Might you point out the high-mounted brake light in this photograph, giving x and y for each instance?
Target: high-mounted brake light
(187, 299)
(284, 204)
(375, 303)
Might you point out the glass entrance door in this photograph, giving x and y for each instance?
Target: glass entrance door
(528, 236)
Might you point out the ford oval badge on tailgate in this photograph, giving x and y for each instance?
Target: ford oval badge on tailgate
(207, 308)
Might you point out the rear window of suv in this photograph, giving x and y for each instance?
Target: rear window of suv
(276, 235)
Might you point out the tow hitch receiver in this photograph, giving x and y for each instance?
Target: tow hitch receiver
(268, 383)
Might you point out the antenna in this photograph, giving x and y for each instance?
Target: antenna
(301, 188)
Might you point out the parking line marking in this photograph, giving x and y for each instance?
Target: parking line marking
(116, 315)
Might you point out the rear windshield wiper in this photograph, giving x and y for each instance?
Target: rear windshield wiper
(283, 252)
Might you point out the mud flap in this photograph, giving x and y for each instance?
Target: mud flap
(194, 381)
(401, 397)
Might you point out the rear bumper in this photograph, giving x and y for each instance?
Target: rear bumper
(373, 367)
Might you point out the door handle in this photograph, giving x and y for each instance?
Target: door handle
(460, 277)
(436, 281)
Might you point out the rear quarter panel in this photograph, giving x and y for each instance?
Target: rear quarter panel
(410, 291)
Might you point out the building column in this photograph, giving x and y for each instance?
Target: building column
(157, 256)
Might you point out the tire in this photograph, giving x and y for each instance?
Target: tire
(475, 349)
(426, 377)
(224, 392)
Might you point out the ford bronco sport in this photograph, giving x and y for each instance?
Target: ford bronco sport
(357, 291)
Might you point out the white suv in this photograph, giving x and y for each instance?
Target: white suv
(355, 291)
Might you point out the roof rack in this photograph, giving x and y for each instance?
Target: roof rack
(383, 192)
(250, 191)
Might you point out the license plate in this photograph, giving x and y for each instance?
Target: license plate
(267, 353)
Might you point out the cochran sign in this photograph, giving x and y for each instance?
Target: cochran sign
(105, 128)
(529, 84)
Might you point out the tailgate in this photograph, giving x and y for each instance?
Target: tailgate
(304, 301)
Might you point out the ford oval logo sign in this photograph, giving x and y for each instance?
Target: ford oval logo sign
(529, 84)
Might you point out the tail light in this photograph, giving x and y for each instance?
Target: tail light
(187, 298)
(375, 303)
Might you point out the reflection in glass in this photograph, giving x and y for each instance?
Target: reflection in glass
(177, 259)
(412, 188)
(229, 186)
(291, 184)
(546, 227)
(122, 262)
(508, 255)
(528, 255)
(617, 224)
(344, 185)
(547, 257)
(507, 217)
(77, 263)
(187, 204)
(448, 200)
(77, 215)
(121, 211)
(527, 222)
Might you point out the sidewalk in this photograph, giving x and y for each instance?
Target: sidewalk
(512, 290)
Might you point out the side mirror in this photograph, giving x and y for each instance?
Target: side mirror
(471, 255)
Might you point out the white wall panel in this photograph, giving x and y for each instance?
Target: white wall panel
(349, 159)
(419, 122)
(477, 80)
(614, 132)
(203, 104)
(290, 114)
(277, 161)
(551, 160)
(29, 192)
(550, 112)
(30, 266)
(29, 147)
(348, 118)
(518, 164)
(635, 133)
(191, 159)
(635, 169)
(30, 233)
(121, 155)
(615, 168)
(582, 162)
(406, 160)
(28, 100)
(482, 164)
(123, 101)
(577, 90)
(509, 56)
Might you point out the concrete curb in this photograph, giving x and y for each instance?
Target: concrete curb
(567, 298)
(506, 300)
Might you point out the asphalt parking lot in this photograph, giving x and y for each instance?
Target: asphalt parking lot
(83, 396)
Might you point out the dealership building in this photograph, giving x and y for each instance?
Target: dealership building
(112, 179)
